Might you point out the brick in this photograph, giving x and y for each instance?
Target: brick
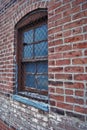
(55, 5)
(85, 36)
(84, 6)
(65, 7)
(63, 76)
(51, 76)
(55, 17)
(79, 101)
(52, 103)
(86, 69)
(56, 69)
(65, 106)
(57, 97)
(71, 11)
(63, 21)
(55, 29)
(68, 92)
(73, 39)
(74, 24)
(51, 50)
(81, 109)
(56, 83)
(63, 48)
(77, 30)
(80, 77)
(51, 25)
(80, 45)
(66, 1)
(74, 85)
(76, 2)
(79, 15)
(62, 62)
(57, 111)
(55, 56)
(67, 59)
(79, 61)
(75, 115)
(85, 28)
(51, 89)
(74, 69)
(51, 37)
(51, 63)
(79, 93)
(70, 99)
(67, 33)
(59, 90)
(56, 42)
(58, 35)
(72, 54)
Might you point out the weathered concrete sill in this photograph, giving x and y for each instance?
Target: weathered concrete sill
(36, 104)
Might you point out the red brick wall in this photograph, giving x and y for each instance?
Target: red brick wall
(67, 45)
(68, 55)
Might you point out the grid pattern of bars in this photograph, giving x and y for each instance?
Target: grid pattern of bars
(34, 58)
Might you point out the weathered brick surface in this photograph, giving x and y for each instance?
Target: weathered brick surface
(4, 126)
(21, 117)
(67, 54)
(67, 63)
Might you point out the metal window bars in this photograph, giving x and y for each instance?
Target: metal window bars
(34, 61)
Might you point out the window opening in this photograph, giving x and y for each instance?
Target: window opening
(33, 60)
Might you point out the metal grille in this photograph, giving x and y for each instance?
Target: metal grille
(34, 58)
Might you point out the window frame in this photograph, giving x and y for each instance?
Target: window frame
(24, 25)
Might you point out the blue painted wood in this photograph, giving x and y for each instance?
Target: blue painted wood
(36, 104)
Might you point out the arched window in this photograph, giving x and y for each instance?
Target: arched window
(32, 55)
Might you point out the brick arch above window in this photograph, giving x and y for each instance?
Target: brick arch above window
(27, 8)
(31, 17)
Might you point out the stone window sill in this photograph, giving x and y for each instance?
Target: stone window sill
(40, 105)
